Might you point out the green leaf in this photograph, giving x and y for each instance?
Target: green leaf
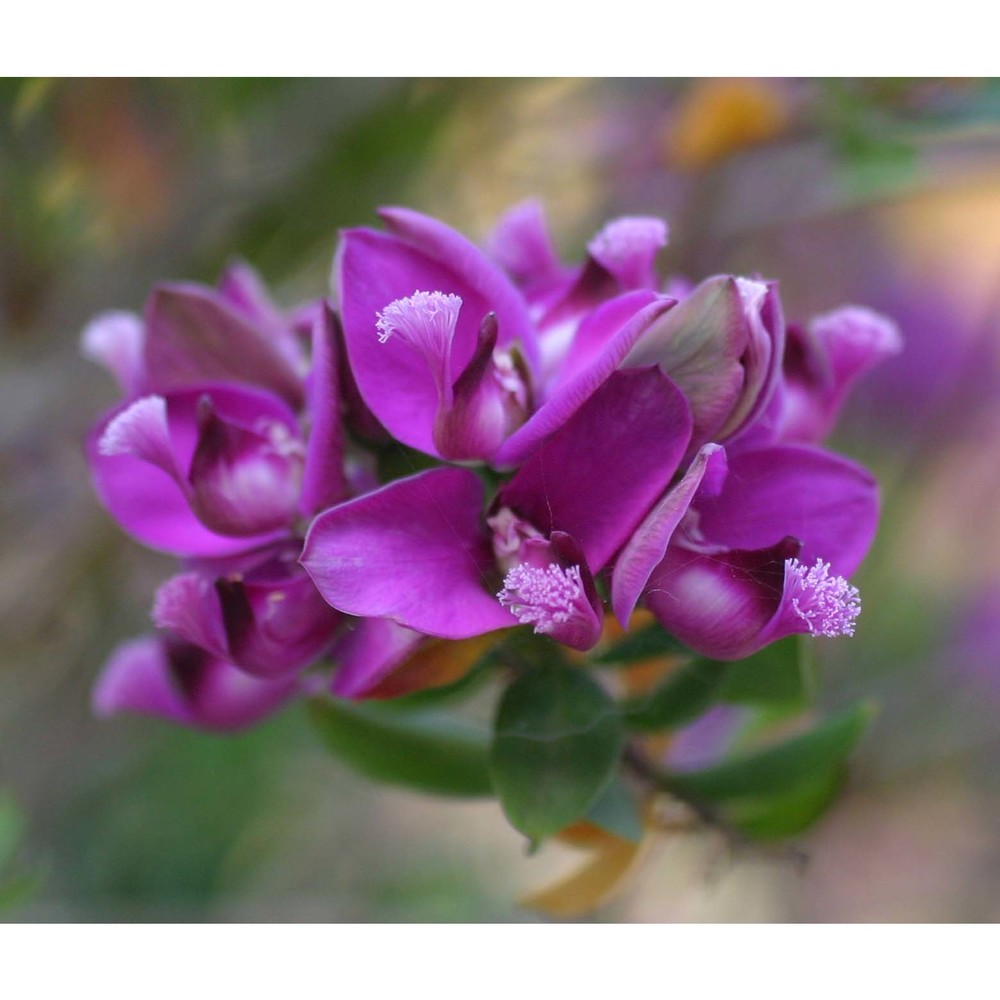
(433, 753)
(790, 814)
(557, 742)
(778, 769)
(11, 829)
(646, 644)
(617, 812)
(779, 673)
(18, 889)
(680, 699)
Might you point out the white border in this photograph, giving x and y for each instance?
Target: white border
(515, 37)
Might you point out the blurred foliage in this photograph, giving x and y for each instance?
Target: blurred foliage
(167, 832)
(345, 176)
(18, 882)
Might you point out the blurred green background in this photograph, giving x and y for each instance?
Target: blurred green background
(882, 192)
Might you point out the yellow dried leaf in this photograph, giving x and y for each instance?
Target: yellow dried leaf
(590, 886)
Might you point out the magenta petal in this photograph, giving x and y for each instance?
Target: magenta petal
(648, 545)
(596, 477)
(137, 678)
(599, 329)
(369, 651)
(149, 503)
(592, 370)
(276, 621)
(827, 502)
(323, 480)
(242, 288)
(397, 384)
(823, 362)
(244, 482)
(473, 268)
(188, 606)
(720, 605)
(194, 336)
(414, 551)
(165, 678)
(260, 612)
(521, 245)
(373, 270)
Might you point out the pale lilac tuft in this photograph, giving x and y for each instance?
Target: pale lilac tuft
(141, 431)
(623, 237)
(626, 248)
(425, 320)
(541, 597)
(827, 604)
(116, 340)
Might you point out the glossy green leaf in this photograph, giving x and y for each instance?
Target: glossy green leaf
(778, 769)
(789, 814)
(779, 673)
(556, 747)
(645, 644)
(680, 699)
(617, 812)
(433, 753)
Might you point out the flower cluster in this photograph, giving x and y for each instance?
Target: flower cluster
(464, 440)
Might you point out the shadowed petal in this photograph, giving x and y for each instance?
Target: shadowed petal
(521, 245)
(648, 545)
(615, 326)
(178, 682)
(241, 287)
(369, 651)
(323, 480)
(193, 336)
(720, 605)
(600, 472)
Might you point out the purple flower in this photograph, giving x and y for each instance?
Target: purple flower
(217, 468)
(723, 346)
(662, 449)
(259, 612)
(164, 677)
(620, 260)
(439, 340)
(224, 474)
(822, 361)
(425, 553)
(192, 335)
(736, 557)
